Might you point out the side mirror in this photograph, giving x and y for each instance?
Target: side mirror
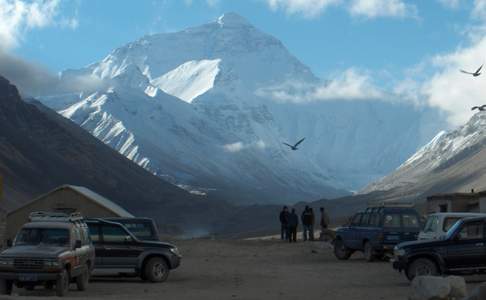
(128, 239)
(77, 244)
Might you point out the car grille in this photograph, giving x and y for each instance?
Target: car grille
(28, 263)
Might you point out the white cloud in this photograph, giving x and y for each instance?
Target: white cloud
(307, 8)
(362, 8)
(350, 85)
(19, 16)
(382, 8)
(239, 146)
(211, 3)
(453, 91)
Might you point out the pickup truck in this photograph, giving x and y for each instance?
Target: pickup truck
(376, 231)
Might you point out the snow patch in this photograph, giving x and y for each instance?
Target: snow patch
(189, 80)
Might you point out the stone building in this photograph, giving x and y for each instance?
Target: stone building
(68, 199)
(457, 202)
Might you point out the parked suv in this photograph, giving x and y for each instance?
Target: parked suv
(461, 251)
(117, 249)
(376, 231)
(438, 224)
(53, 249)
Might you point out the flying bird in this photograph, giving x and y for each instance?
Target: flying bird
(475, 74)
(480, 108)
(294, 147)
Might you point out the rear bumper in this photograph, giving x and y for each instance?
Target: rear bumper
(29, 277)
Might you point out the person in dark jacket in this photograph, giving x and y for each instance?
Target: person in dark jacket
(311, 225)
(293, 224)
(306, 219)
(284, 223)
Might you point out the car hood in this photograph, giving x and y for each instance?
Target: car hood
(420, 243)
(156, 244)
(42, 251)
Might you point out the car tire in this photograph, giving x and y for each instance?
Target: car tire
(156, 270)
(82, 280)
(341, 251)
(6, 287)
(62, 284)
(421, 267)
(368, 252)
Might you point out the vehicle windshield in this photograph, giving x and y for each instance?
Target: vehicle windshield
(141, 230)
(46, 236)
(431, 224)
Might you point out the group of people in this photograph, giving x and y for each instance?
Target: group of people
(289, 222)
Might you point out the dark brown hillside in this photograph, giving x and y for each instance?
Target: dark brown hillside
(40, 150)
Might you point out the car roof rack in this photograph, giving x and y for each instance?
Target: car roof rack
(43, 216)
(391, 204)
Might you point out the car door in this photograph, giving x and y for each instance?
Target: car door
(467, 247)
(120, 250)
(95, 235)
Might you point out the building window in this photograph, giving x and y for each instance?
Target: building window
(443, 208)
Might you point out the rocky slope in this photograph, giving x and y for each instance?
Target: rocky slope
(452, 161)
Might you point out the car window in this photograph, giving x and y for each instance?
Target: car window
(356, 220)
(410, 221)
(77, 235)
(47, 236)
(432, 224)
(142, 230)
(365, 219)
(94, 232)
(392, 221)
(472, 231)
(448, 222)
(113, 233)
(374, 219)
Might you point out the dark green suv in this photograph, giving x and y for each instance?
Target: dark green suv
(52, 250)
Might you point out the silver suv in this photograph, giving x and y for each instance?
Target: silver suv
(53, 250)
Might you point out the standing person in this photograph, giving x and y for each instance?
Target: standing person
(293, 224)
(284, 223)
(306, 219)
(311, 224)
(324, 223)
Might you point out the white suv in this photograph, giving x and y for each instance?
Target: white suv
(438, 224)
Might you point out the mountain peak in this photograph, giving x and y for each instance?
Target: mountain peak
(232, 19)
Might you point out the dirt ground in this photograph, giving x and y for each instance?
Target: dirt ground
(257, 270)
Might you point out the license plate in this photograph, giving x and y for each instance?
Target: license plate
(28, 277)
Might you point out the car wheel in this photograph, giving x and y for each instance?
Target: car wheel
(62, 284)
(341, 251)
(421, 267)
(83, 280)
(369, 253)
(5, 287)
(156, 270)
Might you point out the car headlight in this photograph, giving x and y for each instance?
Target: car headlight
(399, 251)
(51, 264)
(6, 262)
(175, 250)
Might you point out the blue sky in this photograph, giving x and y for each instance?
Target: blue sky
(410, 49)
(330, 41)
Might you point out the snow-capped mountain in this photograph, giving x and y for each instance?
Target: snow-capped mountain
(186, 105)
(452, 160)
